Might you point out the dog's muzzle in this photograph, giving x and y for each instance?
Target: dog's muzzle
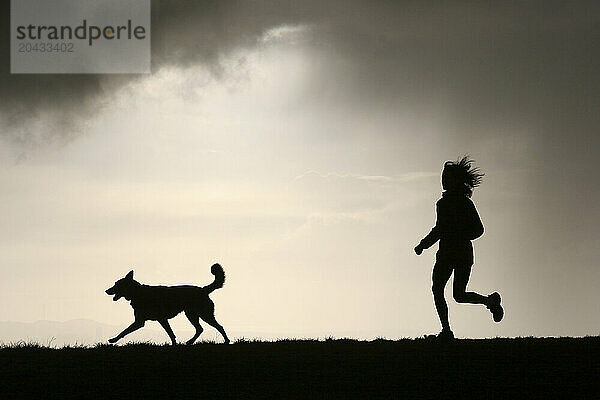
(110, 292)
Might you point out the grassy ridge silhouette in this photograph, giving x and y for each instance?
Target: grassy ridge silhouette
(342, 368)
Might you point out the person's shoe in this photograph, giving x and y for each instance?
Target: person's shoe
(445, 334)
(495, 307)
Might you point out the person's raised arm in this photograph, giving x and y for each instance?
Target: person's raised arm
(432, 237)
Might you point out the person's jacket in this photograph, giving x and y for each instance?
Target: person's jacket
(456, 225)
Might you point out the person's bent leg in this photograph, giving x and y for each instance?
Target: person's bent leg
(459, 287)
(441, 274)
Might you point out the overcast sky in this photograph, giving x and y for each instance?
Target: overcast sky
(301, 147)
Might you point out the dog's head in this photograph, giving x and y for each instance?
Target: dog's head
(123, 287)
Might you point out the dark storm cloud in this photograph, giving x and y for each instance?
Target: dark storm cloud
(70, 99)
(183, 33)
(531, 63)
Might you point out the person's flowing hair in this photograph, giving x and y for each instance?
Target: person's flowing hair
(461, 176)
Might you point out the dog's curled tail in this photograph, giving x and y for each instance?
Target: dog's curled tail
(219, 281)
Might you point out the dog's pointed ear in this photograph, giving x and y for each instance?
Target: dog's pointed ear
(129, 275)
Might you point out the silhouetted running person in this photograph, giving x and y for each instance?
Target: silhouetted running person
(456, 226)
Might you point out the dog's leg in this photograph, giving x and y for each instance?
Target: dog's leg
(210, 319)
(194, 319)
(165, 324)
(137, 324)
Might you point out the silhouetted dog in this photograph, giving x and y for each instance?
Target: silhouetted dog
(161, 303)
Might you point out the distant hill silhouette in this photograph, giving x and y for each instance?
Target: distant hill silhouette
(89, 332)
(80, 331)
